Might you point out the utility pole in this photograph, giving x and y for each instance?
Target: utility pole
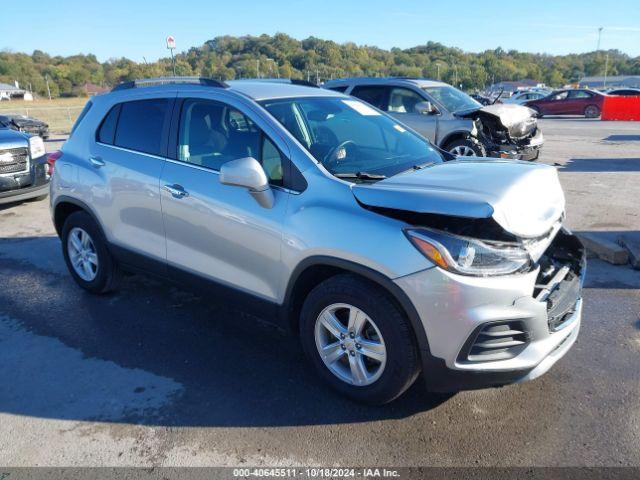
(438, 66)
(606, 67)
(599, 35)
(46, 79)
(258, 68)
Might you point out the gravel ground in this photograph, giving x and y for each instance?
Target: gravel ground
(155, 376)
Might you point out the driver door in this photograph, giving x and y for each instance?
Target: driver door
(402, 105)
(214, 231)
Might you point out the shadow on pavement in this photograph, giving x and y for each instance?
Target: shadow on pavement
(622, 138)
(153, 354)
(620, 165)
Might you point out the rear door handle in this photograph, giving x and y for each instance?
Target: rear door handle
(177, 191)
(97, 162)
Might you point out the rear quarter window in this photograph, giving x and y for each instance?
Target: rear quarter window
(107, 131)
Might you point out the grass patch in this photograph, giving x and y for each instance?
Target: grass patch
(59, 113)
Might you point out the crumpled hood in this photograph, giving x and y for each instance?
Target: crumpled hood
(519, 120)
(524, 199)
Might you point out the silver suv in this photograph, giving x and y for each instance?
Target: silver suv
(319, 212)
(450, 118)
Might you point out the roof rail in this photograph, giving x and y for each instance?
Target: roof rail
(147, 82)
(292, 81)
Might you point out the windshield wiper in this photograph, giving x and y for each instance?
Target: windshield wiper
(360, 175)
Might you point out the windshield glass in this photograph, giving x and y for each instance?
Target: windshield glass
(453, 99)
(351, 138)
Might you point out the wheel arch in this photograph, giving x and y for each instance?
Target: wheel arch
(455, 135)
(64, 206)
(311, 271)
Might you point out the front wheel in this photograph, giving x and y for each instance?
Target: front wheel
(466, 147)
(592, 111)
(358, 340)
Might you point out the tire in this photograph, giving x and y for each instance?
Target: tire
(105, 273)
(466, 147)
(386, 327)
(591, 111)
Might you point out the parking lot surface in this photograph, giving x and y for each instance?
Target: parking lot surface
(154, 375)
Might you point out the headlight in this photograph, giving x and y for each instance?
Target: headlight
(36, 147)
(468, 256)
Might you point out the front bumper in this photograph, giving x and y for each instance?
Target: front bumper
(24, 186)
(454, 308)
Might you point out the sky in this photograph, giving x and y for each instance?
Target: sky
(137, 29)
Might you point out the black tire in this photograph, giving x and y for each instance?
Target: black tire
(108, 274)
(467, 143)
(402, 364)
(591, 111)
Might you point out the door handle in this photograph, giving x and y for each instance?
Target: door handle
(97, 162)
(177, 191)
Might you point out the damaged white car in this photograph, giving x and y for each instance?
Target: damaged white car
(450, 118)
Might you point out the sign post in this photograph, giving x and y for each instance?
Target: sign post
(171, 45)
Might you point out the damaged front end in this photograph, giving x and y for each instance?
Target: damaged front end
(507, 131)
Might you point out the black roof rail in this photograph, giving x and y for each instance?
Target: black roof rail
(292, 81)
(147, 82)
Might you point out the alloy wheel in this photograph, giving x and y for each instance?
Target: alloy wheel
(463, 151)
(350, 344)
(82, 254)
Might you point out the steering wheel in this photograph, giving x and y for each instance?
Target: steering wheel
(331, 158)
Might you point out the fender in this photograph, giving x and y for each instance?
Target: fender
(78, 203)
(288, 307)
(456, 133)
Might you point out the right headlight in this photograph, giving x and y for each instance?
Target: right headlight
(469, 256)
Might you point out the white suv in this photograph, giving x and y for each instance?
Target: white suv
(321, 213)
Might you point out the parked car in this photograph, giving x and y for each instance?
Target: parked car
(569, 102)
(521, 98)
(625, 92)
(24, 172)
(449, 118)
(321, 213)
(26, 124)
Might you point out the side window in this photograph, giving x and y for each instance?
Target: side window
(212, 133)
(339, 89)
(561, 96)
(579, 94)
(374, 95)
(403, 100)
(141, 124)
(107, 131)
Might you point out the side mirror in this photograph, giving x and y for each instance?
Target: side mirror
(424, 108)
(248, 173)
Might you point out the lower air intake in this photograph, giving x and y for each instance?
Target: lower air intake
(495, 341)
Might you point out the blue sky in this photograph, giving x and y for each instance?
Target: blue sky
(137, 28)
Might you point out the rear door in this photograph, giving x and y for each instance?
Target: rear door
(578, 101)
(127, 160)
(214, 231)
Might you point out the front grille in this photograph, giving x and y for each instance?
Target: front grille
(14, 160)
(495, 341)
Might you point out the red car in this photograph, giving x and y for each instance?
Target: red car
(569, 102)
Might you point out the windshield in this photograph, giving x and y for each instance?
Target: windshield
(453, 99)
(350, 138)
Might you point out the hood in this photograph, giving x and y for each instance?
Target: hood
(12, 139)
(518, 120)
(525, 199)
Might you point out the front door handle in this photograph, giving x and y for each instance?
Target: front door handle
(97, 162)
(177, 191)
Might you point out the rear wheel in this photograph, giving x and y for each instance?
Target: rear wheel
(358, 340)
(466, 147)
(592, 111)
(86, 254)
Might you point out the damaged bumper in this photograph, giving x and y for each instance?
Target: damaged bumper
(492, 331)
(527, 150)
